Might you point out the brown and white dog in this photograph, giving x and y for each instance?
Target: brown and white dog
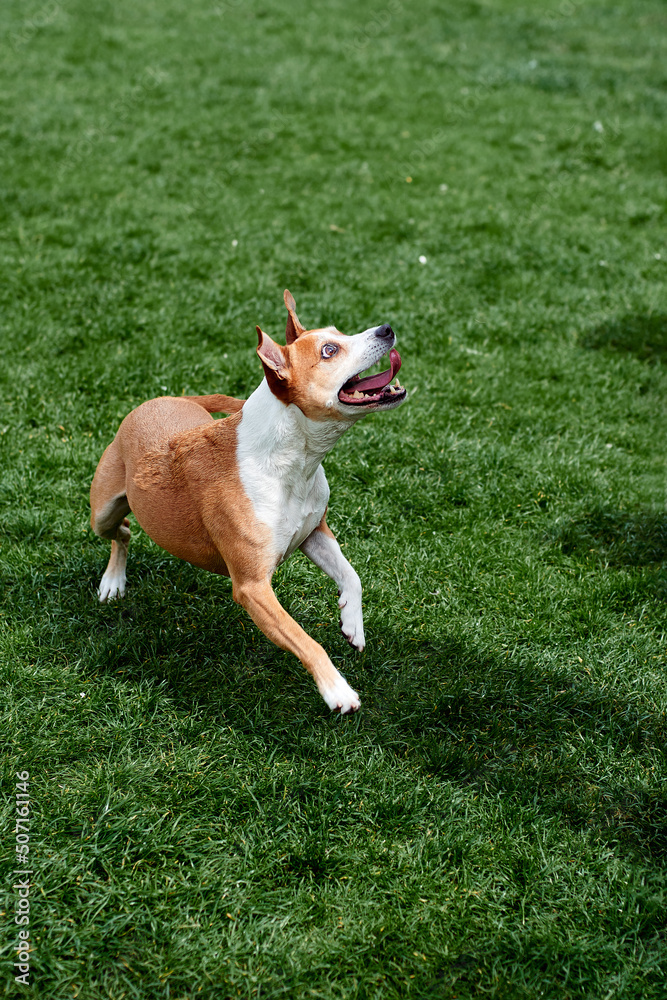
(238, 496)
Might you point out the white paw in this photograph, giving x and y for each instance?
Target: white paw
(340, 697)
(352, 622)
(111, 586)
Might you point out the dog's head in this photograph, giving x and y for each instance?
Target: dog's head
(320, 370)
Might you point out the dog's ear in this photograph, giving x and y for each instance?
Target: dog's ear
(272, 355)
(294, 328)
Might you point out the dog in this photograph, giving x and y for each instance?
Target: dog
(238, 495)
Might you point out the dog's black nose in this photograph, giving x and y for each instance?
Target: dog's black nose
(384, 331)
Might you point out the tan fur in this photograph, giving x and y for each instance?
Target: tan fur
(324, 527)
(217, 403)
(295, 374)
(175, 468)
(294, 326)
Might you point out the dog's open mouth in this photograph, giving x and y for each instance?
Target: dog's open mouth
(376, 388)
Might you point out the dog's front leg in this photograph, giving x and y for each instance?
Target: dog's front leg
(259, 600)
(323, 549)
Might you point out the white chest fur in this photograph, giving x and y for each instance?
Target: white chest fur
(279, 451)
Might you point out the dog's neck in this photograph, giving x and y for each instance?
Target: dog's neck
(282, 438)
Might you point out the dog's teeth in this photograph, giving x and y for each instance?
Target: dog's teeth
(357, 395)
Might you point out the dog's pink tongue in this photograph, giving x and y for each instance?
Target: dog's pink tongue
(383, 378)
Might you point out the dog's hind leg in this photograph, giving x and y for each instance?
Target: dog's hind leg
(112, 583)
(109, 506)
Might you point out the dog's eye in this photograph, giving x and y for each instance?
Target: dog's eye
(329, 350)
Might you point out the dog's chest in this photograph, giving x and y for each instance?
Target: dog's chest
(290, 506)
(279, 454)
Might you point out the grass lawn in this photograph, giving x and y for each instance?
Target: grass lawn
(489, 178)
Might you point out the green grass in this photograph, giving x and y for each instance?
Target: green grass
(494, 821)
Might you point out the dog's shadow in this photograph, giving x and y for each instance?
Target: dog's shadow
(636, 537)
(456, 713)
(643, 335)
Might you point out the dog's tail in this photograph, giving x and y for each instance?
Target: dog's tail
(218, 403)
